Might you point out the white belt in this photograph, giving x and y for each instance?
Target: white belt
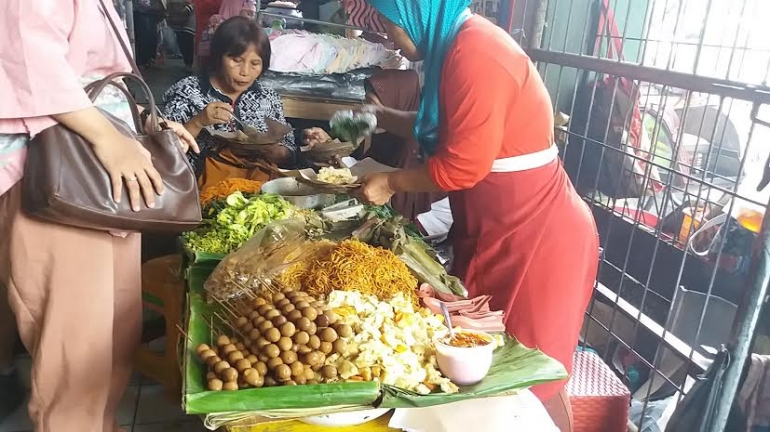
(527, 161)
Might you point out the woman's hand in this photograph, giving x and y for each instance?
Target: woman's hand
(375, 189)
(185, 137)
(400, 123)
(215, 113)
(127, 162)
(123, 158)
(313, 136)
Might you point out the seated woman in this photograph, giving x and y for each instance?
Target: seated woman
(228, 88)
(400, 90)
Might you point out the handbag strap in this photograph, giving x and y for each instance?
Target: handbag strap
(92, 94)
(135, 76)
(123, 45)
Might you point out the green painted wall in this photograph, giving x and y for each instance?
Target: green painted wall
(567, 24)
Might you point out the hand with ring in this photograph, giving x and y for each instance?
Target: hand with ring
(215, 113)
(129, 164)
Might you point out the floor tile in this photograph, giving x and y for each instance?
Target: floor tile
(128, 405)
(136, 379)
(178, 426)
(18, 421)
(155, 406)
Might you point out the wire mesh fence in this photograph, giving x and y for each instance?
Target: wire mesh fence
(662, 122)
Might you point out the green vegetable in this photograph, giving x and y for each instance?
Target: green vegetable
(229, 223)
(387, 212)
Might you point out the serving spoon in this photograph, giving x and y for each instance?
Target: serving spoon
(247, 129)
(447, 320)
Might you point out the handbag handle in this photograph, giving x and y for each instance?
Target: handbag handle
(138, 126)
(136, 75)
(96, 87)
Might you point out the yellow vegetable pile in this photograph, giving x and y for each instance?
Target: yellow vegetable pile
(353, 266)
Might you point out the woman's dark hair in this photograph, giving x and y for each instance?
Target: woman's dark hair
(233, 37)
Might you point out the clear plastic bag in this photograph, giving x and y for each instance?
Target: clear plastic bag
(252, 268)
(349, 126)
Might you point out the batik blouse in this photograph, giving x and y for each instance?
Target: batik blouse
(189, 96)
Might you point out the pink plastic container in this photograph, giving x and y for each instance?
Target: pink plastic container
(465, 366)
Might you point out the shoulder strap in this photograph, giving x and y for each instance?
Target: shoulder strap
(116, 32)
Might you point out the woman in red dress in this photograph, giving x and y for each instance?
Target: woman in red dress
(521, 232)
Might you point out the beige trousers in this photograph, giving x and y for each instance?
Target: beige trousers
(76, 295)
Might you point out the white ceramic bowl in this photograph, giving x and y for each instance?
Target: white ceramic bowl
(353, 418)
(465, 366)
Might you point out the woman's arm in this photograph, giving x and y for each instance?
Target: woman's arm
(41, 82)
(400, 123)
(474, 112)
(124, 159)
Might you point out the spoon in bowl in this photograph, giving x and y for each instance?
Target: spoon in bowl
(247, 129)
(447, 320)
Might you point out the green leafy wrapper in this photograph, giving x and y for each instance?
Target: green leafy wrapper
(514, 367)
(198, 400)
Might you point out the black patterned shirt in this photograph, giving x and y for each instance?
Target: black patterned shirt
(189, 96)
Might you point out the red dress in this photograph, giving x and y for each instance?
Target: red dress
(522, 235)
(204, 9)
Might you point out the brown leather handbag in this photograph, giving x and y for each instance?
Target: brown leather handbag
(65, 183)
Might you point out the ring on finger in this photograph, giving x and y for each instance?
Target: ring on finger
(130, 179)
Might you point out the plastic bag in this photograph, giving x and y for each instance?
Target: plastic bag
(251, 268)
(351, 127)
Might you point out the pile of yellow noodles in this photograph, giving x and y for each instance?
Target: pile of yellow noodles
(224, 188)
(294, 275)
(352, 265)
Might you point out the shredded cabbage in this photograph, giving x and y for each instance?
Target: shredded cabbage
(237, 221)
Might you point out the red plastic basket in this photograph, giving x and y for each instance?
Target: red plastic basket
(599, 399)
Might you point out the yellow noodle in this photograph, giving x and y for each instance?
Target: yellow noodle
(292, 277)
(353, 265)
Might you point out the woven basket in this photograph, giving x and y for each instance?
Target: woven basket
(599, 399)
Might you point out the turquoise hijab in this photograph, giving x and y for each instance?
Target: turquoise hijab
(432, 25)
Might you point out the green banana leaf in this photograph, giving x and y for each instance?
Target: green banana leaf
(198, 400)
(514, 367)
(205, 260)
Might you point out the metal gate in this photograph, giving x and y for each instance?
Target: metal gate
(659, 120)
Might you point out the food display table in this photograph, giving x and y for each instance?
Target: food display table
(520, 412)
(262, 349)
(379, 425)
